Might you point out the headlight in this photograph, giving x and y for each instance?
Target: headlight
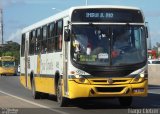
(80, 79)
(139, 75)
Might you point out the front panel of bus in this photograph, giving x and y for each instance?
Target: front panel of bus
(108, 53)
(8, 66)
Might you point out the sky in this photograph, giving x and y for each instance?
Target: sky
(18, 14)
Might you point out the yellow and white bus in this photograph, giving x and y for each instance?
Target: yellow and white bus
(87, 52)
(7, 65)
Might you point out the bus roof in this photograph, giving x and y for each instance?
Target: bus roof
(68, 12)
(105, 6)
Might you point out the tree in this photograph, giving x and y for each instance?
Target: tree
(156, 48)
(8, 53)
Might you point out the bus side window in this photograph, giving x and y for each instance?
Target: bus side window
(38, 41)
(51, 38)
(32, 42)
(59, 35)
(22, 45)
(44, 40)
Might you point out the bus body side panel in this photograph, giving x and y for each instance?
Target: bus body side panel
(49, 64)
(22, 74)
(45, 80)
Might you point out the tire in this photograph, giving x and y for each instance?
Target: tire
(62, 101)
(35, 94)
(44, 95)
(125, 101)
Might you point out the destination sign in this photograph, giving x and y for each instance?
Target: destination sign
(107, 15)
(99, 15)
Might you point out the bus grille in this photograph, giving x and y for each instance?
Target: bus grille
(105, 81)
(109, 89)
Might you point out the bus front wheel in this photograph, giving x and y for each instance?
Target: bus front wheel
(62, 101)
(125, 101)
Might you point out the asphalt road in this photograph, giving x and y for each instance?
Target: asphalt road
(15, 99)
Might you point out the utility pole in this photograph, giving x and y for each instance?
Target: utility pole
(86, 2)
(1, 26)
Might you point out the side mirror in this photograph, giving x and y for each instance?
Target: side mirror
(146, 32)
(146, 29)
(67, 35)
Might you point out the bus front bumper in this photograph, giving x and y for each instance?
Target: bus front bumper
(8, 72)
(77, 90)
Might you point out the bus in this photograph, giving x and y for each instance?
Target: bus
(87, 52)
(7, 65)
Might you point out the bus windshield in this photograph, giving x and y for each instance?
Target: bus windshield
(8, 63)
(108, 45)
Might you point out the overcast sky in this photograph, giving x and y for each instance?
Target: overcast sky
(18, 14)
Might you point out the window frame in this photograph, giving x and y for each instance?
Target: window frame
(38, 40)
(59, 34)
(23, 37)
(32, 41)
(44, 39)
(51, 37)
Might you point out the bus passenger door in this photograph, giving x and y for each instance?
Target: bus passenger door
(65, 60)
(26, 59)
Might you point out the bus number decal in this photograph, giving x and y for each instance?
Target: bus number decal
(80, 72)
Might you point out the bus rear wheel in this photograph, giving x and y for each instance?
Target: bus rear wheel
(62, 101)
(125, 101)
(35, 94)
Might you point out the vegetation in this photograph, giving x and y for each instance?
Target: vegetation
(11, 49)
(156, 48)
